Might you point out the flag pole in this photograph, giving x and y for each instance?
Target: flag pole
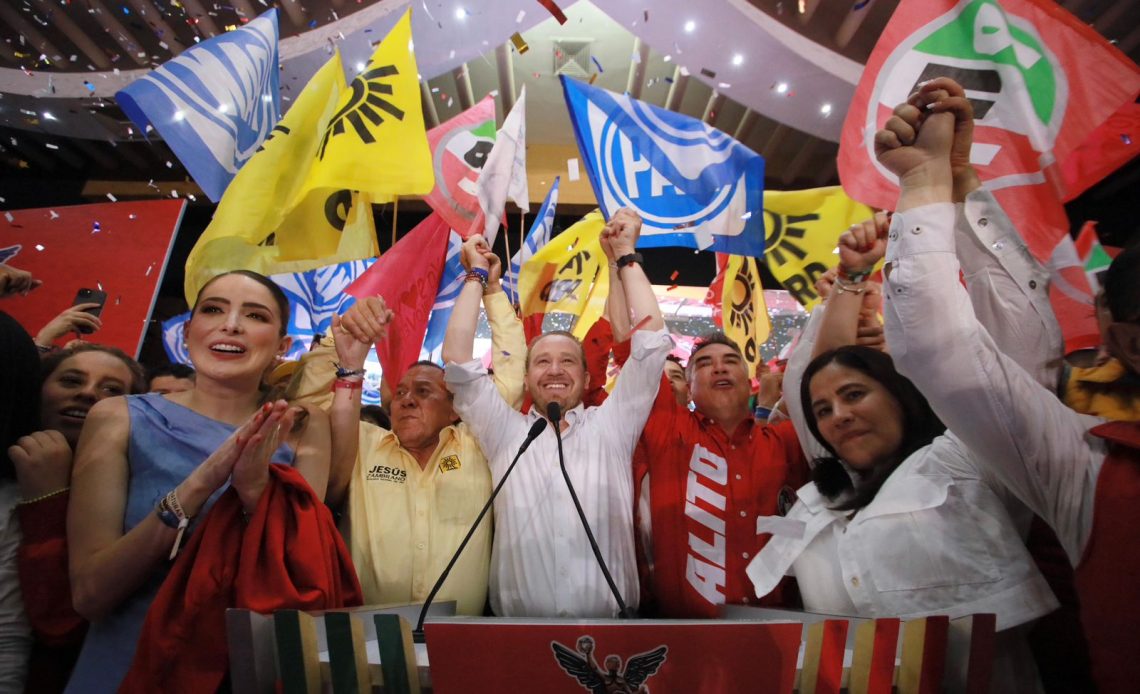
(507, 243)
(395, 213)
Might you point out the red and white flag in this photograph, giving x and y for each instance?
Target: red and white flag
(1041, 83)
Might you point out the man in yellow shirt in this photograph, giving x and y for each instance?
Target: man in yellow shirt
(413, 491)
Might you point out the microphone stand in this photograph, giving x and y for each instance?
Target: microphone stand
(418, 632)
(554, 412)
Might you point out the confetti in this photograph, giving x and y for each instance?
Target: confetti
(746, 215)
(572, 169)
(519, 42)
(112, 198)
(519, 18)
(593, 77)
(51, 146)
(9, 217)
(1126, 139)
(636, 58)
(708, 73)
(554, 10)
(96, 228)
(597, 64)
(149, 268)
(90, 87)
(674, 276)
(684, 71)
(132, 216)
(645, 15)
(39, 247)
(53, 214)
(723, 85)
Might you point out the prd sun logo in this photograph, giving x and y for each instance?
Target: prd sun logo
(1015, 83)
(366, 102)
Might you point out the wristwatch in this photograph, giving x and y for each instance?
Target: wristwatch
(630, 259)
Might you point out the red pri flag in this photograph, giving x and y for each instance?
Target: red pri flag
(407, 276)
(459, 148)
(1040, 82)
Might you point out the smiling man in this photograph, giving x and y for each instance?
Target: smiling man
(711, 475)
(542, 564)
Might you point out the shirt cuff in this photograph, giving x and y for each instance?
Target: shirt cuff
(462, 374)
(646, 342)
(925, 229)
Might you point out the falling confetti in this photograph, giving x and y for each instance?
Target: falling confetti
(149, 268)
(96, 228)
(9, 217)
(53, 214)
(674, 276)
(593, 78)
(708, 73)
(1126, 139)
(572, 169)
(112, 198)
(597, 64)
(39, 247)
(520, 43)
(519, 18)
(554, 10)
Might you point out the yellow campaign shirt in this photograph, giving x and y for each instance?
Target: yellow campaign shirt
(401, 523)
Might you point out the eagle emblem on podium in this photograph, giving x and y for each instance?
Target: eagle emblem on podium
(613, 679)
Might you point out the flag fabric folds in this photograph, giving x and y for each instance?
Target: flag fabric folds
(803, 231)
(375, 141)
(459, 149)
(568, 275)
(315, 296)
(259, 225)
(215, 103)
(504, 173)
(693, 185)
(744, 314)
(538, 236)
(1041, 83)
(450, 283)
(407, 276)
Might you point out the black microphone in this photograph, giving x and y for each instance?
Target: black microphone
(554, 413)
(535, 429)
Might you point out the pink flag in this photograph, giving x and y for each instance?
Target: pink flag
(459, 148)
(407, 276)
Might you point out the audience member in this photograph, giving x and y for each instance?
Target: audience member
(170, 378)
(376, 416)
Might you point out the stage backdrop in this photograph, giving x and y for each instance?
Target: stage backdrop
(119, 247)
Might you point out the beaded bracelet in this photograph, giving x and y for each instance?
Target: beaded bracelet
(42, 497)
(477, 274)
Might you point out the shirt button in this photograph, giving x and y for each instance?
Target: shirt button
(983, 222)
(1033, 284)
(916, 230)
(893, 235)
(738, 477)
(855, 581)
(419, 545)
(998, 245)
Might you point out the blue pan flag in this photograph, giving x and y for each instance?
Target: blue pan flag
(538, 236)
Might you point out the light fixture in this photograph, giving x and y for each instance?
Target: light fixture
(782, 88)
(48, 116)
(360, 67)
(690, 26)
(737, 60)
(825, 109)
(460, 13)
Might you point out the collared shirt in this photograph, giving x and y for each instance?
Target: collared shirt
(402, 523)
(706, 489)
(542, 564)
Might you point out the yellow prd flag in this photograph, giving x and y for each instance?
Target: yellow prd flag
(568, 275)
(375, 142)
(247, 230)
(803, 227)
(743, 310)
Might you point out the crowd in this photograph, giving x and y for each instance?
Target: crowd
(923, 426)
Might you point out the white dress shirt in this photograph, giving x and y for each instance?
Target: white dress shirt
(1038, 447)
(541, 562)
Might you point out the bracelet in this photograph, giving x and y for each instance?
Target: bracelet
(170, 512)
(41, 497)
(45, 349)
(342, 372)
(477, 274)
(854, 276)
(844, 287)
(346, 384)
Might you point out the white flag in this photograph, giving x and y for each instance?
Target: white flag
(504, 172)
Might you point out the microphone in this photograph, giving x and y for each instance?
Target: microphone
(535, 429)
(554, 412)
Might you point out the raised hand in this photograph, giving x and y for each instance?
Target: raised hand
(71, 320)
(43, 463)
(944, 95)
(251, 468)
(13, 281)
(494, 266)
(913, 140)
(364, 323)
(474, 253)
(864, 244)
(622, 232)
(826, 282)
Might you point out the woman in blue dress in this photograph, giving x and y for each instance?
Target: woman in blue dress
(147, 466)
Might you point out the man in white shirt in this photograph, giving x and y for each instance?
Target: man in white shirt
(541, 563)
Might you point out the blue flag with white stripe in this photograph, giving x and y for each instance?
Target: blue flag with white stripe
(215, 103)
(315, 296)
(450, 283)
(692, 184)
(538, 236)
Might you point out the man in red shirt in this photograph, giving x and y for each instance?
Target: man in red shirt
(705, 479)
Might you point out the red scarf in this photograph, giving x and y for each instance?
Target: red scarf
(289, 556)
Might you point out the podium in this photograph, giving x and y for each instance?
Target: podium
(749, 650)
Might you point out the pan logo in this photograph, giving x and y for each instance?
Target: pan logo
(1012, 79)
(678, 172)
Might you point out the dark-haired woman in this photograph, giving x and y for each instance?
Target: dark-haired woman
(149, 465)
(901, 519)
